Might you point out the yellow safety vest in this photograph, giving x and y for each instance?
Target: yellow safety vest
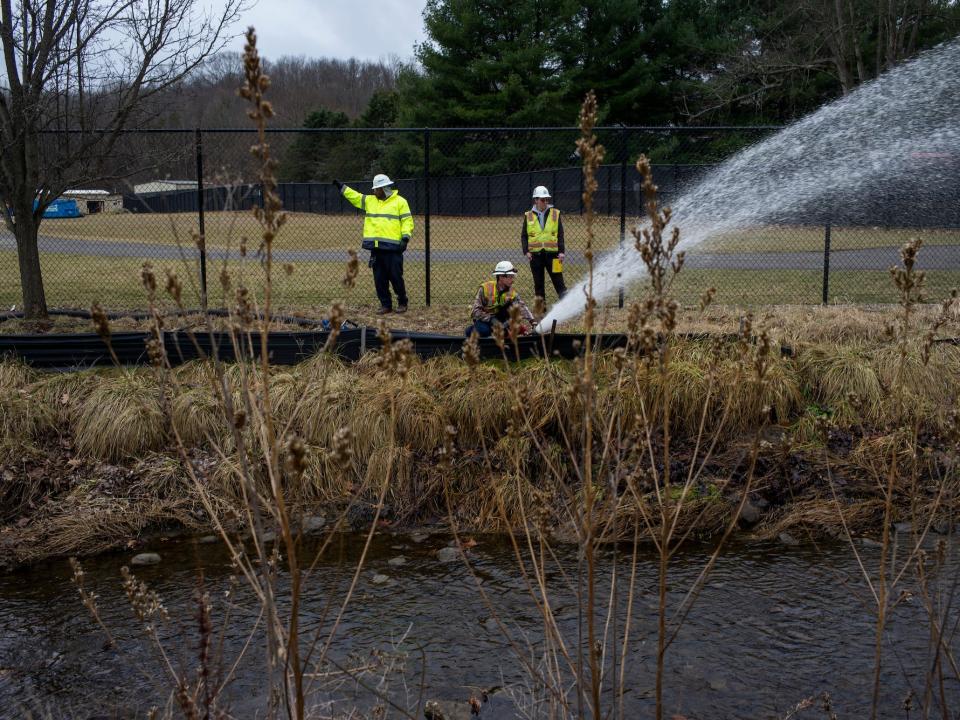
(543, 239)
(493, 299)
(385, 222)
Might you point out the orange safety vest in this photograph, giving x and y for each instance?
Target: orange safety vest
(494, 299)
(543, 239)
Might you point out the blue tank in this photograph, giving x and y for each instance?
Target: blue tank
(62, 208)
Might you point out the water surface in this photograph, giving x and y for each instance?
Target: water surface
(775, 625)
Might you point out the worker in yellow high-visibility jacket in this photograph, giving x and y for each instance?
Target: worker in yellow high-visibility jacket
(541, 239)
(387, 227)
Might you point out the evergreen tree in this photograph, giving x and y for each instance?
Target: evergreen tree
(310, 157)
(486, 64)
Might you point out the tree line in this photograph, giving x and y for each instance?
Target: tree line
(650, 62)
(677, 63)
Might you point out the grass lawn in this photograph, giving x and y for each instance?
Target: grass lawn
(787, 238)
(311, 231)
(78, 281)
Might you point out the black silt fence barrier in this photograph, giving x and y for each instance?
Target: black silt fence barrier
(471, 196)
(285, 348)
(509, 194)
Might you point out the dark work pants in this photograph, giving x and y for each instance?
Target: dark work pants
(543, 262)
(485, 329)
(387, 271)
(481, 328)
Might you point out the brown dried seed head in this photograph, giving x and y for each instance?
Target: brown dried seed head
(353, 269)
(155, 350)
(499, 336)
(243, 309)
(174, 287)
(148, 278)
(471, 350)
(707, 298)
(100, 322)
(296, 452)
(342, 451)
(539, 306)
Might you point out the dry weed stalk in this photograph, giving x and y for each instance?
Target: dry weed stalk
(614, 470)
(266, 458)
(897, 470)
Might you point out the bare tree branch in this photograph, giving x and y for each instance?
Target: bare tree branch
(90, 68)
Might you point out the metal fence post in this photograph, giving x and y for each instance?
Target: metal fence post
(826, 263)
(581, 192)
(426, 210)
(623, 200)
(198, 141)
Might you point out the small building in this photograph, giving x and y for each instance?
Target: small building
(95, 201)
(163, 186)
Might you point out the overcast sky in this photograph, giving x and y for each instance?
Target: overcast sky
(365, 29)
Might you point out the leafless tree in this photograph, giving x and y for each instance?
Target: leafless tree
(299, 86)
(852, 41)
(89, 70)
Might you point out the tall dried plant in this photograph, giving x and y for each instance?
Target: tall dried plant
(902, 555)
(266, 457)
(614, 479)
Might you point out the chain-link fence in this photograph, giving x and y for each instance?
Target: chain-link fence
(468, 190)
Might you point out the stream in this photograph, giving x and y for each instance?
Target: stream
(773, 626)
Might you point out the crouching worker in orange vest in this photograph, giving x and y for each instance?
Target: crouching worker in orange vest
(492, 304)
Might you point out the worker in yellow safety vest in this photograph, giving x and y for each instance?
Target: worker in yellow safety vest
(541, 239)
(491, 305)
(387, 227)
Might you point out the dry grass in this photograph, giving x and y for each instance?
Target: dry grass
(121, 417)
(197, 415)
(843, 381)
(99, 524)
(22, 419)
(15, 375)
(307, 231)
(497, 478)
(819, 517)
(117, 414)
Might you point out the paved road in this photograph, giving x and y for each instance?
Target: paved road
(934, 257)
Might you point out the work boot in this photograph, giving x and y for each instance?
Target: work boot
(384, 310)
(401, 308)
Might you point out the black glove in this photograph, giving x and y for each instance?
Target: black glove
(338, 184)
(404, 241)
(373, 260)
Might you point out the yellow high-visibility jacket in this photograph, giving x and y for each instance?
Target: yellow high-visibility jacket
(543, 239)
(386, 223)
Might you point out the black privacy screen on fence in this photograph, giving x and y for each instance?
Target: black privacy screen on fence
(467, 190)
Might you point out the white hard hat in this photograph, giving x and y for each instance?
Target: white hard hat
(541, 192)
(504, 267)
(381, 180)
